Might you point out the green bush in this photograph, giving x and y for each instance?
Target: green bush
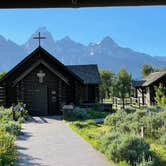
(5, 113)
(11, 127)
(108, 138)
(96, 114)
(91, 122)
(75, 114)
(130, 110)
(163, 139)
(119, 147)
(115, 118)
(8, 115)
(7, 149)
(132, 148)
(80, 113)
(156, 108)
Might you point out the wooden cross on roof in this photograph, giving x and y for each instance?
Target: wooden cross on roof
(39, 38)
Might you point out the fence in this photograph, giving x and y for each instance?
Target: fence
(130, 101)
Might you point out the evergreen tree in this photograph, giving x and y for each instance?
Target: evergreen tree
(146, 70)
(107, 78)
(123, 84)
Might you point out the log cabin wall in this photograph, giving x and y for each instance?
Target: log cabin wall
(90, 93)
(58, 92)
(10, 95)
(2, 96)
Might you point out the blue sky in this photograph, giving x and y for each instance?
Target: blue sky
(139, 28)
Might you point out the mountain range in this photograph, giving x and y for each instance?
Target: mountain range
(107, 53)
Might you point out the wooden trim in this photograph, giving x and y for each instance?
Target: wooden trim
(75, 3)
(34, 66)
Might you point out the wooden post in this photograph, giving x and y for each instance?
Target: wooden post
(139, 102)
(142, 131)
(123, 100)
(116, 103)
(131, 101)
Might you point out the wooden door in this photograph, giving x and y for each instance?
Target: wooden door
(40, 101)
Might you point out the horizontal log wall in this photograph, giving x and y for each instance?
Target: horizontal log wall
(2, 96)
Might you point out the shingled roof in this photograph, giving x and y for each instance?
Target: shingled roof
(149, 79)
(88, 73)
(137, 83)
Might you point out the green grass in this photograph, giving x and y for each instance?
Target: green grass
(91, 132)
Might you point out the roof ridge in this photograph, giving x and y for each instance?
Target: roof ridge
(83, 65)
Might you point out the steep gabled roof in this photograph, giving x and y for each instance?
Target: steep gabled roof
(39, 50)
(88, 73)
(153, 77)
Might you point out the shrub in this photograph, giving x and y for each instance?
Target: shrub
(129, 148)
(139, 114)
(12, 127)
(163, 139)
(7, 149)
(91, 122)
(75, 114)
(79, 124)
(94, 114)
(130, 110)
(115, 118)
(5, 113)
(80, 113)
(108, 138)
(156, 108)
(22, 115)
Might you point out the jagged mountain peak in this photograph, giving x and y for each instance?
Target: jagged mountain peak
(47, 43)
(107, 53)
(66, 38)
(108, 41)
(42, 29)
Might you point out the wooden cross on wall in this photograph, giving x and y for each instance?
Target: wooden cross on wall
(41, 76)
(39, 38)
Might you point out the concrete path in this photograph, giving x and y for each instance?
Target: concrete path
(47, 141)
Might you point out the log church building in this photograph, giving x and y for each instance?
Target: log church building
(44, 84)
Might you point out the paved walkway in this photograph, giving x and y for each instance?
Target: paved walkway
(47, 141)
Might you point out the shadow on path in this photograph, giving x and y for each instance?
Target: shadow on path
(27, 160)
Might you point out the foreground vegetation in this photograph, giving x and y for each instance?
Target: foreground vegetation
(9, 129)
(84, 114)
(121, 140)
